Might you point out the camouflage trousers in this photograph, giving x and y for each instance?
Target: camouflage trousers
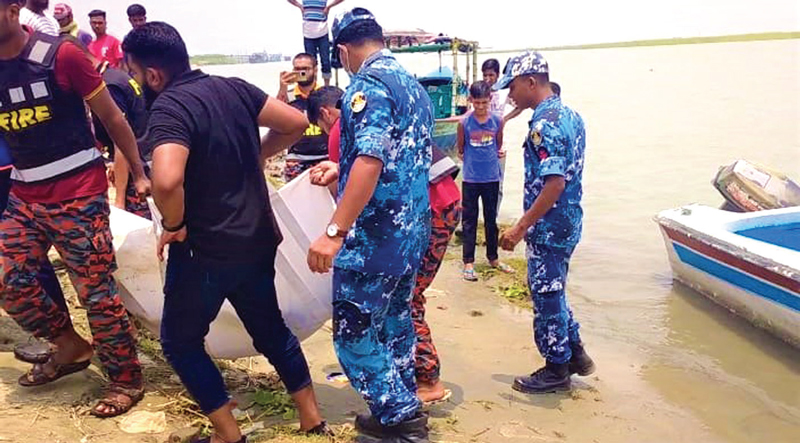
(79, 230)
(443, 225)
(554, 326)
(374, 341)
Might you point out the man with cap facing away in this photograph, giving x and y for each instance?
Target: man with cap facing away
(551, 225)
(380, 229)
(63, 14)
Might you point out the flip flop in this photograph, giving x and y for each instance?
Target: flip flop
(502, 267)
(469, 275)
(37, 377)
(119, 407)
(447, 394)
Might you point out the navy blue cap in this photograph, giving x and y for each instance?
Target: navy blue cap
(526, 63)
(341, 22)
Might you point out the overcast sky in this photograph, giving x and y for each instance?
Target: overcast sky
(244, 26)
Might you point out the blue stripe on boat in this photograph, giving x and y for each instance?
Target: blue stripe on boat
(738, 278)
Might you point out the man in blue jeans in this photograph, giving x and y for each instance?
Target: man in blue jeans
(35, 352)
(315, 31)
(222, 234)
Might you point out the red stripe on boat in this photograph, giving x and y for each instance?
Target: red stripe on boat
(734, 261)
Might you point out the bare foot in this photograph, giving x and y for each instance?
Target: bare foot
(430, 392)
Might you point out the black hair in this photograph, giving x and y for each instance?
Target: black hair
(158, 45)
(326, 96)
(361, 31)
(11, 2)
(556, 88)
(480, 89)
(97, 13)
(136, 10)
(491, 65)
(306, 55)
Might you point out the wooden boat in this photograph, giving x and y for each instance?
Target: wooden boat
(746, 262)
(446, 87)
(750, 187)
(302, 211)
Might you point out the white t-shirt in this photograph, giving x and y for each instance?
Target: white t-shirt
(499, 102)
(39, 23)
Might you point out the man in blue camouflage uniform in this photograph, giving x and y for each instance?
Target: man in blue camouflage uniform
(380, 229)
(551, 226)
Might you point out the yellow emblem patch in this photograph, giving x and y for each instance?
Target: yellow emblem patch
(358, 102)
(536, 138)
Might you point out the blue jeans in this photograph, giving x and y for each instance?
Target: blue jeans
(374, 339)
(554, 326)
(194, 293)
(320, 46)
(47, 275)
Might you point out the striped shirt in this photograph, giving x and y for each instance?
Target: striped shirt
(315, 21)
(39, 23)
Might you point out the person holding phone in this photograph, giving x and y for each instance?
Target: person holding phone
(313, 146)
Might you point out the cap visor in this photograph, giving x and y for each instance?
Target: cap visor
(503, 83)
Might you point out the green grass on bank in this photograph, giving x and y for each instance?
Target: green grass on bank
(213, 59)
(666, 42)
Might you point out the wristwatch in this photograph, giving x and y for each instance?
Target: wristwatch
(333, 231)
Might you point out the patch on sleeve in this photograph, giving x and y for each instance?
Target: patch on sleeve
(358, 102)
(536, 138)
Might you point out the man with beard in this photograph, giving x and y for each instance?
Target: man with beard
(313, 147)
(222, 234)
(33, 16)
(58, 198)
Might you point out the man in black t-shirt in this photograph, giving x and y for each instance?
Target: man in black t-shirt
(209, 185)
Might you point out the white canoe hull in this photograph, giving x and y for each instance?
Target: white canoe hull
(302, 210)
(757, 280)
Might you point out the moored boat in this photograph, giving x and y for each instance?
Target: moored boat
(746, 262)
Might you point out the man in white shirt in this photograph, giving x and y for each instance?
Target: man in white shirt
(32, 15)
(315, 31)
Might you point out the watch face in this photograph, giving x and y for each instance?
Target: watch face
(332, 231)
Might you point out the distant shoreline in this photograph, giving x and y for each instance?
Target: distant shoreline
(665, 42)
(221, 59)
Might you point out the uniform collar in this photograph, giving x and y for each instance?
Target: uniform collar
(383, 53)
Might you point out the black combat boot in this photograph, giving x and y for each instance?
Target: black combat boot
(551, 378)
(413, 430)
(580, 363)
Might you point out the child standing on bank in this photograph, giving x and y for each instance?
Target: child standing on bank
(480, 145)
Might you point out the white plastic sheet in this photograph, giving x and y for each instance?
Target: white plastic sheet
(302, 210)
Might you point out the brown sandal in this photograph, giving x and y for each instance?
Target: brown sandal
(38, 377)
(118, 407)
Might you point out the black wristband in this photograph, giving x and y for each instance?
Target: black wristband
(175, 229)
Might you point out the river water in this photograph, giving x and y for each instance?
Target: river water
(660, 122)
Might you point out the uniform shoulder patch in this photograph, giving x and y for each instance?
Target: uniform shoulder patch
(358, 102)
(536, 137)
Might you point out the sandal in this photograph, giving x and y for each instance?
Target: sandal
(469, 275)
(502, 267)
(321, 429)
(34, 352)
(38, 377)
(208, 440)
(113, 401)
(443, 399)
